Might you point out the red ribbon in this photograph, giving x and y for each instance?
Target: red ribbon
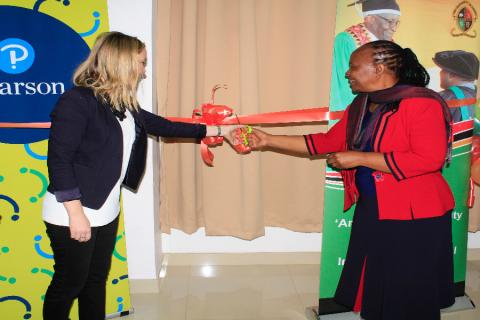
(225, 117)
(212, 114)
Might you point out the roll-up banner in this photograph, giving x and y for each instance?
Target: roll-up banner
(428, 27)
(41, 43)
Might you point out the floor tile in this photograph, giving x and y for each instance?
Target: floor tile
(306, 280)
(233, 292)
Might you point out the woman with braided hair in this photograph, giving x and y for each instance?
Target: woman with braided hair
(390, 147)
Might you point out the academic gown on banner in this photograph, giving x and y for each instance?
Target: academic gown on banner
(345, 43)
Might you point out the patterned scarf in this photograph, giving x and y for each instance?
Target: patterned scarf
(390, 98)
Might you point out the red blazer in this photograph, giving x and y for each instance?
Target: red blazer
(412, 139)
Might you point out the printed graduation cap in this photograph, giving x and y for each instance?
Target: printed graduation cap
(370, 7)
(462, 63)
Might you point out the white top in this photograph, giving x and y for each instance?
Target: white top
(54, 212)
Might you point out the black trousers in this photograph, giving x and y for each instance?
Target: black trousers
(81, 271)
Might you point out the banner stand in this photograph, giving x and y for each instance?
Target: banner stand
(312, 314)
(461, 304)
(120, 314)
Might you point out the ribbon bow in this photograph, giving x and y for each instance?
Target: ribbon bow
(211, 114)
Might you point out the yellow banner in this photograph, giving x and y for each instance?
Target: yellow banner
(41, 43)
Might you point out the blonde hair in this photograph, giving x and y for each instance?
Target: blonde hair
(111, 70)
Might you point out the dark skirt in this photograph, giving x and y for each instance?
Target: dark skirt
(408, 265)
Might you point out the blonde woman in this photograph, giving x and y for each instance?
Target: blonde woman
(98, 143)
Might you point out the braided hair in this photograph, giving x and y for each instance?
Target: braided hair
(402, 61)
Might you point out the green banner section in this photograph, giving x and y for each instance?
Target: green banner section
(444, 26)
(457, 175)
(336, 230)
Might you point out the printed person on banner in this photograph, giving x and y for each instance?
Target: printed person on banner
(380, 21)
(458, 74)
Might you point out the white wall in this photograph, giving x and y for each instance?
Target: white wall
(275, 240)
(143, 237)
(474, 240)
(143, 251)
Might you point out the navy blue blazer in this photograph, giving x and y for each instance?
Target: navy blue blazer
(85, 147)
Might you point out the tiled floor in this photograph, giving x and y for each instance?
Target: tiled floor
(250, 292)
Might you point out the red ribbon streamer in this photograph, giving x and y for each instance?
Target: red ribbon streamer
(211, 114)
(222, 115)
(282, 117)
(253, 119)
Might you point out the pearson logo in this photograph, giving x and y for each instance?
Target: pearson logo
(16, 56)
(38, 55)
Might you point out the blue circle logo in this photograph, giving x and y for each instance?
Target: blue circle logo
(16, 55)
(38, 55)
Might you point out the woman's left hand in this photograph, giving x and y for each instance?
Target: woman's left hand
(345, 160)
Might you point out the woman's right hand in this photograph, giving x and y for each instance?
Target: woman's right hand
(80, 229)
(258, 139)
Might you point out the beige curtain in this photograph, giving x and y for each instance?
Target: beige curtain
(274, 55)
